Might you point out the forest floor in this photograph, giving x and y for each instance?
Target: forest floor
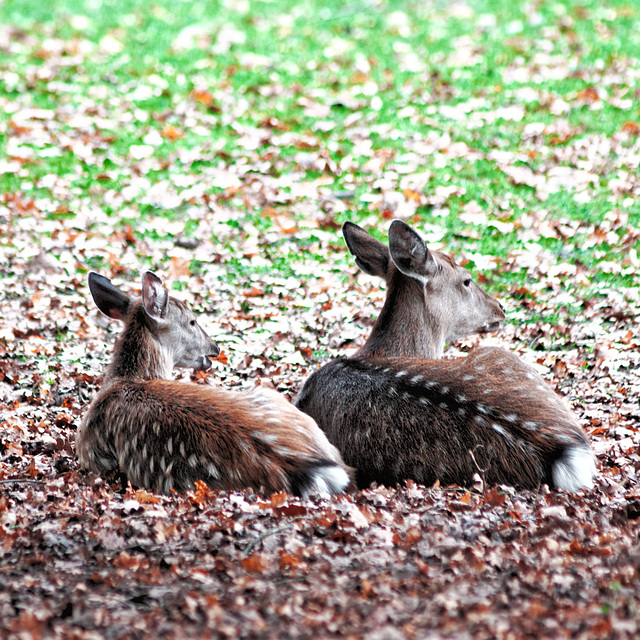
(222, 145)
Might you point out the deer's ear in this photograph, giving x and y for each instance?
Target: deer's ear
(109, 299)
(409, 252)
(371, 255)
(155, 297)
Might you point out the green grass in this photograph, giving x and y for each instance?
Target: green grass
(389, 75)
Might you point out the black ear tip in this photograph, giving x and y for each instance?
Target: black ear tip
(152, 277)
(397, 229)
(349, 233)
(348, 227)
(96, 279)
(398, 226)
(400, 231)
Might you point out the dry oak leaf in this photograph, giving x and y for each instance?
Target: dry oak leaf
(254, 563)
(171, 132)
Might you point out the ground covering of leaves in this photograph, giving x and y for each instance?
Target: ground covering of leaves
(222, 145)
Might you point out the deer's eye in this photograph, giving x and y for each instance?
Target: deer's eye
(192, 323)
(467, 282)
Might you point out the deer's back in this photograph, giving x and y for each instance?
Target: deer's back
(165, 435)
(399, 418)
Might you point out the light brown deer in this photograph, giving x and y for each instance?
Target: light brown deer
(396, 412)
(164, 434)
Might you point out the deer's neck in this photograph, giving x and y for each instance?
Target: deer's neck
(405, 327)
(138, 355)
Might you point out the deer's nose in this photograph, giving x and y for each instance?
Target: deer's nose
(214, 349)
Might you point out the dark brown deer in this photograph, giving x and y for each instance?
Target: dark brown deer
(164, 434)
(396, 412)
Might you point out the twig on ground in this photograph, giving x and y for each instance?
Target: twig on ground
(481, 471)
(272, 532)
(25, 480)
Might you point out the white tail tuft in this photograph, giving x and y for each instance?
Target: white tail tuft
(327, 479)
(575, 470)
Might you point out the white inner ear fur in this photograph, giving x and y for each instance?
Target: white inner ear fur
(154, 297)
(417, 276)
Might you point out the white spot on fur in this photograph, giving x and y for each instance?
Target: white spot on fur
(461, 399)
(400, 374)
(575, 470)
(461, 411)
(269, 438)
(480, 420)
(525, 446)
(530, 424)
(285, 451)
(193, 460)
(501, 431)
(468, 377)
(170, 445)
(565, 438)
(425, 402)
(482, 409)
(182, 451)
(511, 417)
(106, 463)
(417, 379)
